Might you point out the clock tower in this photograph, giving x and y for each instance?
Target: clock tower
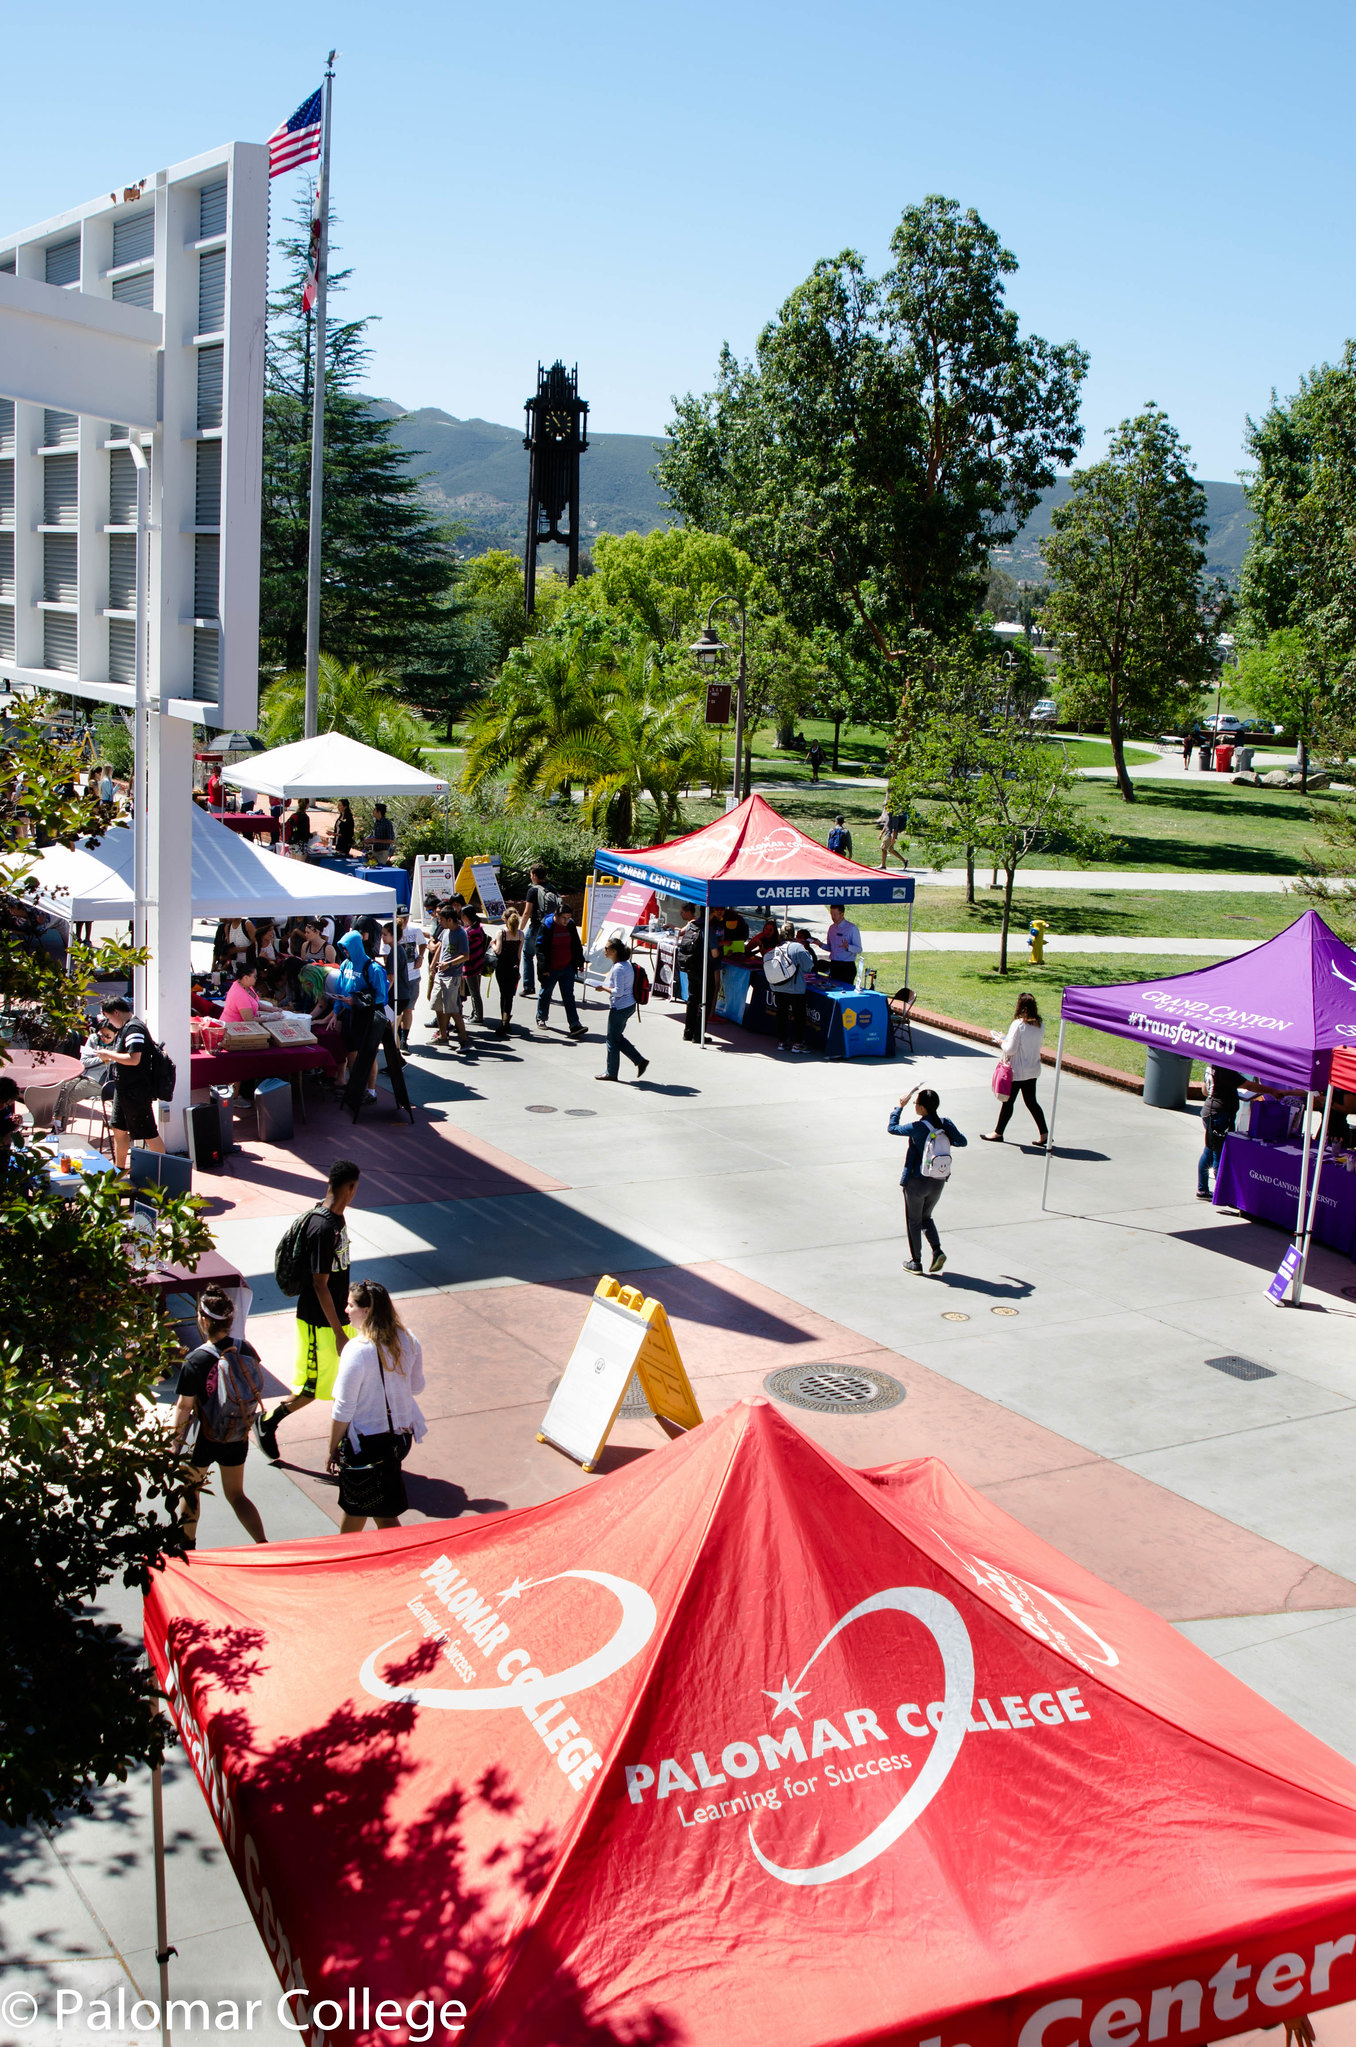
(557, 435)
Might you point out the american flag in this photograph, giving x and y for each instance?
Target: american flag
(298, 140)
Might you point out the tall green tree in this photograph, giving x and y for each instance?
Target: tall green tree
(1135, 624)
(89, 1485)
(1284, 680)
(388, 583)
(974, 778)
(886, 434)
(1297, 590)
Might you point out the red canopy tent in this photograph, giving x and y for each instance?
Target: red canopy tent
(737, 1746)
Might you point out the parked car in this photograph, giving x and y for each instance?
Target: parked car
(1046, 712)
(1225, 726)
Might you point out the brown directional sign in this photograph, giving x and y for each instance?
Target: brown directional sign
(718, 696)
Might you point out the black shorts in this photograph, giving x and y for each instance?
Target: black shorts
(205, 1451)
(135, 1114)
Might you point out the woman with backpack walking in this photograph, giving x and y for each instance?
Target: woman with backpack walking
(927, 1168)
(221, 1390)
(621, 995)
(1021, 1053)
(376, 1417)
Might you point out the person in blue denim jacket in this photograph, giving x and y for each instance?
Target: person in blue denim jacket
(927, 1168)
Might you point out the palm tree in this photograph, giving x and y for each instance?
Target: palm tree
(608, 719)
(360, 702)
(532, 724)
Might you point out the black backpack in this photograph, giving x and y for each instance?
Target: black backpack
(640, 986)
(291, 1260)
(162, 1072)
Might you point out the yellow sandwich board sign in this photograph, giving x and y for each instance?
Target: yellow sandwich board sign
(624, 1332)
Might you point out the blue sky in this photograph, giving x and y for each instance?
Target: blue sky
(629, 185)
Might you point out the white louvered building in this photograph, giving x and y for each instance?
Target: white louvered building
(188, 245)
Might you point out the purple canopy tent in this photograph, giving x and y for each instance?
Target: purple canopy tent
(1276, 1013)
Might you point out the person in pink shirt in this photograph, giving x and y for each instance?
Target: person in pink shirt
(241, 1004)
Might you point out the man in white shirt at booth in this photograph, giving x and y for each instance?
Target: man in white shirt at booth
(844, 946)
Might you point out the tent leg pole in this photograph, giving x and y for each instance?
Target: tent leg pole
(908, 945)
(1054, 1111)
(1303, 1195)
(163, 1950)
(1313, 1196)
(706, 967)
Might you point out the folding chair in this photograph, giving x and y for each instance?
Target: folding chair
(901, 1008)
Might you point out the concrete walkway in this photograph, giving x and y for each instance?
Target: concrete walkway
(1095, 878)
(1062, 1363)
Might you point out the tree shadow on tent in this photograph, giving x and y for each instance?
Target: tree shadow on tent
(425, 1896)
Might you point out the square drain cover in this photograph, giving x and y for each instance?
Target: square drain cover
(1240, 1368)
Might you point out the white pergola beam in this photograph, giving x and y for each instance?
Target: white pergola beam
(78, 353)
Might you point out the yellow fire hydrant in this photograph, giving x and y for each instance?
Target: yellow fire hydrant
(1038, 928)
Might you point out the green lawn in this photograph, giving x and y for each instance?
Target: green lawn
(1186, 827)
(969, 986)
(1092, 913)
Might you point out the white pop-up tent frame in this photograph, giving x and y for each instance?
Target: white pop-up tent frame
(330, 764)
(230, 877)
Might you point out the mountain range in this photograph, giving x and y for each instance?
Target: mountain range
(474, 473)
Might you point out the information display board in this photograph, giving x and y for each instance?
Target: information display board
(624, 1332)
(432, 877)
(487, 888)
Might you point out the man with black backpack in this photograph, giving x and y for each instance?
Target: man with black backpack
(541, 902)
(311, 1262)
(135, 1059)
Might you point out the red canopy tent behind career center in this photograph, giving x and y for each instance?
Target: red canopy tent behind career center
(738, 1745)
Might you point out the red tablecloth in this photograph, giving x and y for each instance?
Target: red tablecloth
(211, 1270)
(222, 1069)
(248, 821)
(26, 1069)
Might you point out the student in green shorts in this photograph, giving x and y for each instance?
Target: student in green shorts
(322, 1305)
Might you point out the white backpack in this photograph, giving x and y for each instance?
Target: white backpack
(779, 967)
(936, 1163)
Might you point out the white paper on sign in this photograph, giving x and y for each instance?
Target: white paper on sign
(487, 888)
(590, 1392)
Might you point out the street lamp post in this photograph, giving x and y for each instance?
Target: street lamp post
(709, 651)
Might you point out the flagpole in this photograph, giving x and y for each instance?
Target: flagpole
(322, 201)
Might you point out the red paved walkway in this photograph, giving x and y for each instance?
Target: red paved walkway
(491, 1355)
(428, 1160)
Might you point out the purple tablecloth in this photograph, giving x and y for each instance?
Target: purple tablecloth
(1263, 1181)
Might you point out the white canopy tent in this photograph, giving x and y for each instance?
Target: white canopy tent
(331, 764)
(93, 884)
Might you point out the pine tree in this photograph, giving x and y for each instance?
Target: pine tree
(388, 572)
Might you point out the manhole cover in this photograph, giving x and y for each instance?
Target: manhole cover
(1004, 1311)
(1240, 1368)
(833, 1389)
(954, 1315)
(541, 1108)
(581, 1112)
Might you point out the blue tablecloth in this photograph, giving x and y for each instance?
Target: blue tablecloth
(1263, 1181)
(384, 877)
(388, 877)
(846, 1023)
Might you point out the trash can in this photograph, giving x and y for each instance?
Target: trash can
(1244, 757)
(1224, 758)
(273, 1104)
(1203, 755)
(1166, 1075)
(225, 1100)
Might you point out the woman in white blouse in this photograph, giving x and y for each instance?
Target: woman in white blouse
(381, 1368)
(1022, 1049)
